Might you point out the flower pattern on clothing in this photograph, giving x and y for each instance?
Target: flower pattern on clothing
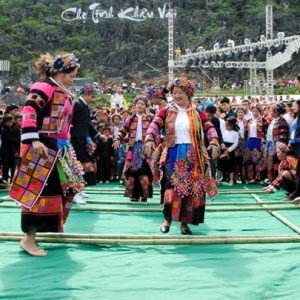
(185, 180)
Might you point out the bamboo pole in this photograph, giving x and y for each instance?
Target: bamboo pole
(209, 209)
(121, 192)
(122, 236)
(277, 215)
(229, 191)
(208, 203)
(199, 241)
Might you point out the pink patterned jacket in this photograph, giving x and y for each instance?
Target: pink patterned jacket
(47, 111)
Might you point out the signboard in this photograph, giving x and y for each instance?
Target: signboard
(4, 65)
(95, 12)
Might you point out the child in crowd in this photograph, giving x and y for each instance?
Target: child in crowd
(226, 162)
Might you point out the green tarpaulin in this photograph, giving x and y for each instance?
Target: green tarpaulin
(247, 271)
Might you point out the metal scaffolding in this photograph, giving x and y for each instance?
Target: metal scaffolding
(4, 65)
(269, 36)
(221, 57)
(171, 42)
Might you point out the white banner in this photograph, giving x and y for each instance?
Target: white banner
(4, 65)
(95, 13)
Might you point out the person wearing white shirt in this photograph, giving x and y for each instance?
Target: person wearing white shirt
(226, 162)
(289, 116)
(184, 179)
(246, 106)
(253, 152)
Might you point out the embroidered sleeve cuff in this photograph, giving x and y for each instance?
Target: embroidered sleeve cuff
(30, 136)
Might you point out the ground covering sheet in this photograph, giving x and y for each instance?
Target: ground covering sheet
(235, 271)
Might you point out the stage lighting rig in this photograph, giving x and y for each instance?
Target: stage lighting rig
(247, 42)
(216, 46)
(231, 43)
(271, 51)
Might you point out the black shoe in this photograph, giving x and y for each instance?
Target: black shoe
(134, 200)
(185, 230)
(164, 229)
(144, 200)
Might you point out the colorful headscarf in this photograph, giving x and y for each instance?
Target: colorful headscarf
(138, 98)
(186, 85)
(87, 89)
(155, 91)
(282, 146)
(63, 63)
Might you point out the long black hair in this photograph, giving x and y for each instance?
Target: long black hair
(298, 113)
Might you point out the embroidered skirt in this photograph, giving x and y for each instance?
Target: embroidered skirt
(227, 164)
(138, 174)
(55, 193)
(182, 194)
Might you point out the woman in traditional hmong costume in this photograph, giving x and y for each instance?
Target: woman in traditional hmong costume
(49, 173)
(286, 171)
(136, 170)
(254, 145)
(185, 161)
(157, 96)
(278, 131)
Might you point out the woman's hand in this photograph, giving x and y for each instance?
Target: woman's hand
(40, 149)
(214, 151)
(268, 189)
(116, 144)
(148, 148)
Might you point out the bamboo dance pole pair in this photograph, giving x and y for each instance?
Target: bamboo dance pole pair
(169, 240)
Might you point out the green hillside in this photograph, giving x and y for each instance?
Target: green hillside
(119, 47)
